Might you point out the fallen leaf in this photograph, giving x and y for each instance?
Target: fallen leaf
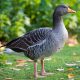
(60, 69)
(61, 78)
(70, 69)
(16, 69)
(26, 65)
(9, 63)
(28, 68)
(71, 76)
(1, 52)
(71, 64)
(20, 64)
(48, 59)
(78, 61)
(21, 61)
(72, 41)
(29, 60)
(8, 79)
(74, 54)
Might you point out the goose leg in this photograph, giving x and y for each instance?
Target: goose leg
(35, 70)
(43, 73)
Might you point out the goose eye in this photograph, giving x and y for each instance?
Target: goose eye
(64, 7)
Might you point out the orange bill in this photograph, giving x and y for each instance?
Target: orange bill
(71, 11)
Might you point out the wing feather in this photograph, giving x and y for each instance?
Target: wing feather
(31, 38)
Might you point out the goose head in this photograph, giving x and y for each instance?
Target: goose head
(62, 10)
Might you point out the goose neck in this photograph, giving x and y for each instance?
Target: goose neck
(57, 20)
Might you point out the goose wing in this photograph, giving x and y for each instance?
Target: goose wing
(31, 38)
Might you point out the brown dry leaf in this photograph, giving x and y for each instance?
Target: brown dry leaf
(21, 61)
(70, 69)
(71, 76)
(20, 64)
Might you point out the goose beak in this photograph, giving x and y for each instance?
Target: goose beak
(71, 11)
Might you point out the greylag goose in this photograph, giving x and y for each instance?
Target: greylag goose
(42, 42)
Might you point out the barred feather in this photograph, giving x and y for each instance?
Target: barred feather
(30, 43)
(39, 43)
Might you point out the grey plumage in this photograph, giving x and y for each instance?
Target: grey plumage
(37, 43)
(43, 42)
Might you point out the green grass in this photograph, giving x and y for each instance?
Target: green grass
(58, 60)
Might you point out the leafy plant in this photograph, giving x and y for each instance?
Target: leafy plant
(20, 16)
(3, 59)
